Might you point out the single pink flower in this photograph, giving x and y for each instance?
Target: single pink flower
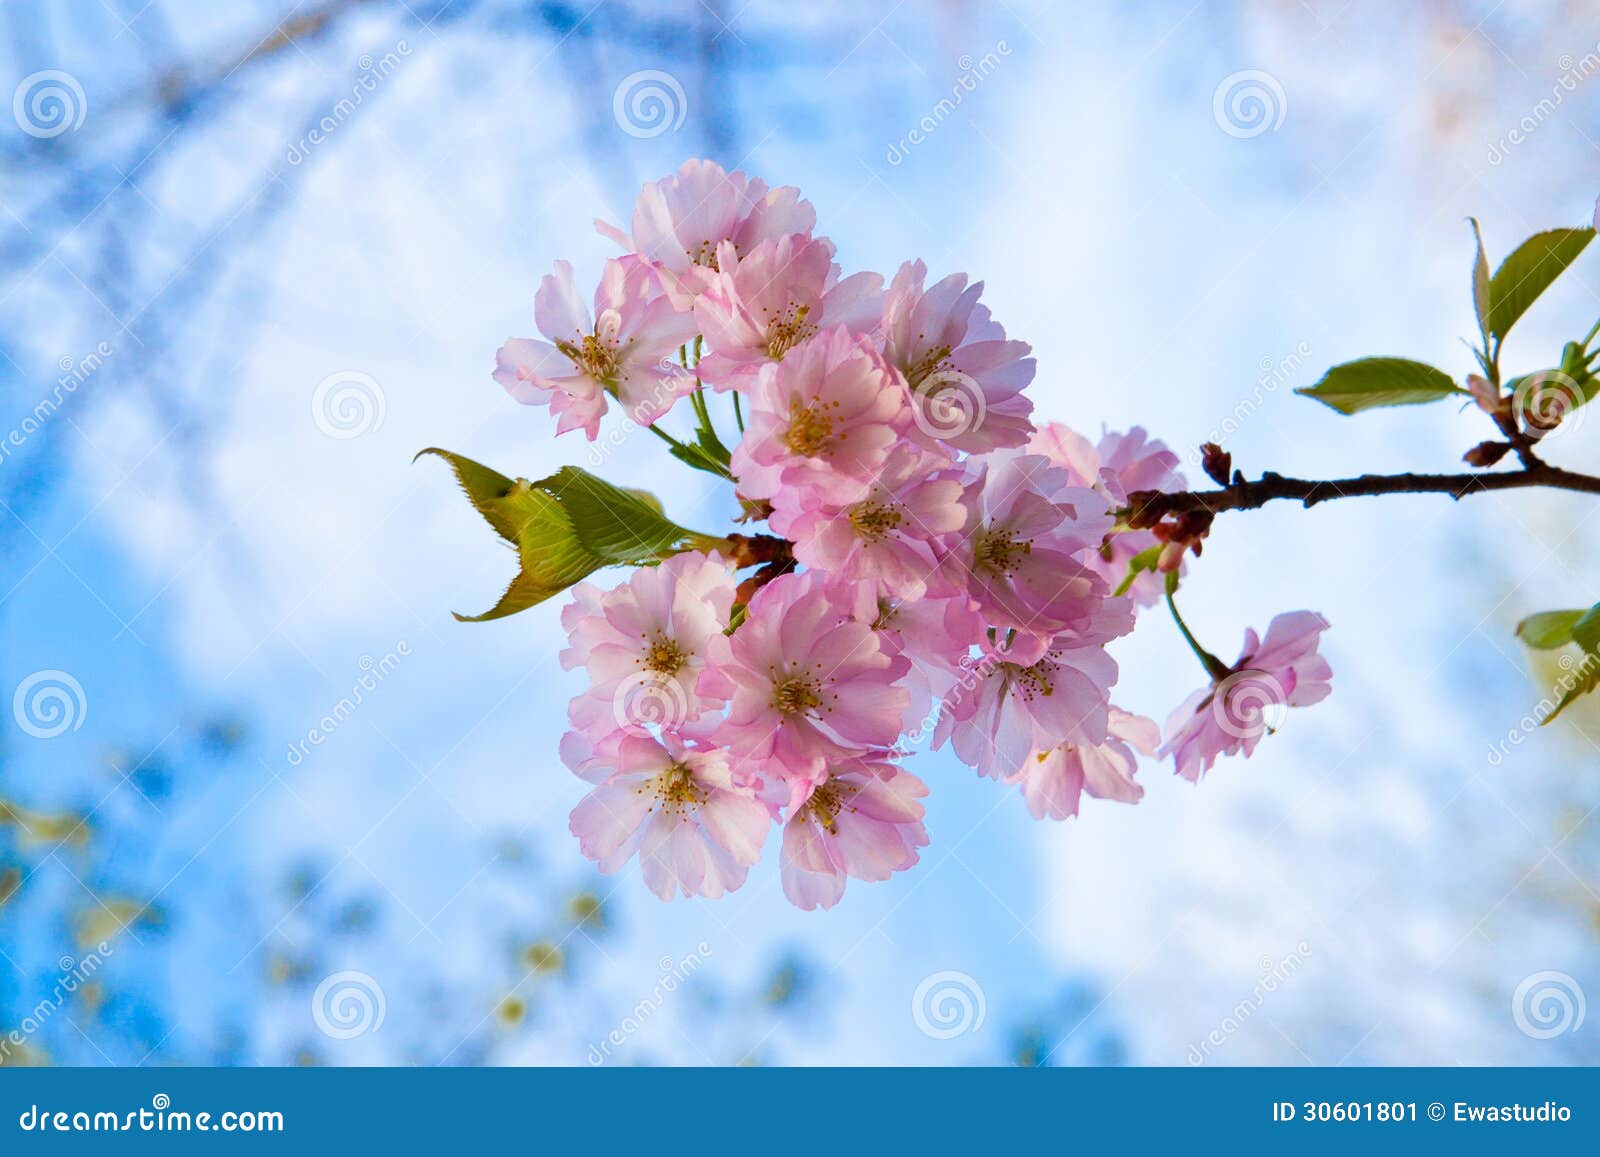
(1053, 781)
(806, 683)
(678, 808)
(1028, 533)
(894, 538)
(626, 351)
(936, 635)
(824, 419)
(644, 645)
(780, 294)
(862, 820)
(1120, 464)
(1273, 674)
(965, 379)
(1032, 694)
(680, 221)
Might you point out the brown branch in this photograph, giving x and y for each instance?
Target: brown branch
(1147, 507)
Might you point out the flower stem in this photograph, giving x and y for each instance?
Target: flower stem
(1215, 667)
(738, 411)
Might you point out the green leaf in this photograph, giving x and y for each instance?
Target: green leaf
(1145, 560)
(1586, 631)
(1480, 284)
(1370, 382)
(1548, 630)
(565, 527)
(1529, 271)
(1585, 680)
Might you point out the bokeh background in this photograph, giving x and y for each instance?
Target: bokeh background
(213, 557)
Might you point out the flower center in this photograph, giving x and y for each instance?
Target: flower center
(664, 657)
(788, 331)
(1000, 552)
(828, 801)
(795, 695)
(1034, 682)
(873, 520)
(676, 790)
(595, 356)
(810, 428)
(926, 366)
(704, 254)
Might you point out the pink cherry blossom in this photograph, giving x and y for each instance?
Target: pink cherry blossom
(806, 683)
(1052, 781)
(954, 359)
(780, 294)
(823, 419)
(862, 820)
(1120, 464)
(644, 645)
(679, 222)
(1031, 694)
(894, 538)
(678, 808)
(1273, 674)
(625, 351)
(1028, 533)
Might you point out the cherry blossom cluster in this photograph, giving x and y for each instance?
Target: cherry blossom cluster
(944, 570)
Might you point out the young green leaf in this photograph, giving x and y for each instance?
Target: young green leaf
(1371, 382)
(1548, 630)
(1529, 271)
(1145, 560)
(565, 527)
(1586, 630)
(1480, 284)
(1585, 680)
